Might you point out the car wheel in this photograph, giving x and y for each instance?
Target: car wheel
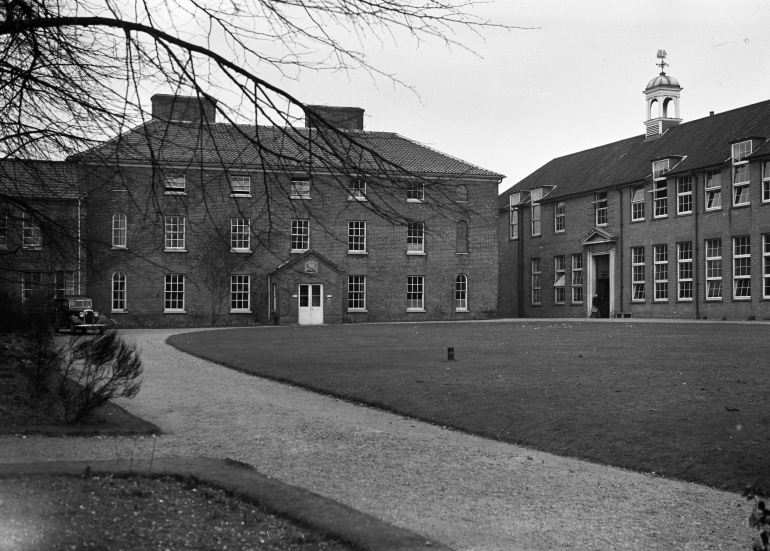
(71, 327)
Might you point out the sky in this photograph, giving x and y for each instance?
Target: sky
(572, 81)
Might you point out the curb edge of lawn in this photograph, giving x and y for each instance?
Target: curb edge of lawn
(309, 509)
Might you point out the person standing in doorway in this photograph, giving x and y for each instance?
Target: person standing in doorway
(595, 306)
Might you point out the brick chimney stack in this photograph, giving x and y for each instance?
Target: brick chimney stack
(167, 107)
(344, 118)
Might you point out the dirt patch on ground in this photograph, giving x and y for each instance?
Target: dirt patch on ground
(109, 513)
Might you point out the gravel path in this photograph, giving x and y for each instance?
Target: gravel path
(467, 492)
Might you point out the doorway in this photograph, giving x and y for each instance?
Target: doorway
(311, 309)
(602, 284)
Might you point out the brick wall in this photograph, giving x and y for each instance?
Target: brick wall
(695, 228)
(207, 205)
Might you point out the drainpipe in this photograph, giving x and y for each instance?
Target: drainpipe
(520, 267)
(80, 273)
(620, 239)
(696, 256)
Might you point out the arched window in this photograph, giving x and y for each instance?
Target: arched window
(462, 194)
(669, 108)
(461, 293)
(653, 112)
(119, 230)
(118, 292)
(462, 237)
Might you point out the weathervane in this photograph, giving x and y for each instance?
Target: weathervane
(662, 64)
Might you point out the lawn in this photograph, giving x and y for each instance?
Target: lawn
(680, 400)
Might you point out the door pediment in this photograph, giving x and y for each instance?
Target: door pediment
(598, 235)
(308, 262)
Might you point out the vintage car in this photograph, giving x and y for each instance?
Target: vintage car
(74, 312)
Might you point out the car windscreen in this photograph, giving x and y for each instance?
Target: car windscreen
(81, 303)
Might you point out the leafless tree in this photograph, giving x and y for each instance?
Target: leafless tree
(75, 73)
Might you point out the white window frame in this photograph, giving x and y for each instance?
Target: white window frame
(712, 187)
(30, 282)
(536, 212)
(577, 279)
(64, 283)
(514, 199)
(740, 169)
(560, 279)
(173, 294)
(742, 267)
(415, 238)
(660, 264)
(300, 189)
(240, 235)
(119, 230)
(300, 235)
(559, 218)
(461, 293)
(415, 293)
(240, 185)
(240, 294)
(766, 266)
(357, 190)
(766, 181)
(174, 183)
(357, 237)
(658, 168)
(714, 285)
(175, 226)
(660, 199)
(32, 236)
(638, 275)
(119, 292)
(601, 210)
(684, 201)
(415, 192)
(537, 293)
(637, 203)
(357, 293)
(684, 271)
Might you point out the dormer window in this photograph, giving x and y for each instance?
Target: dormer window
(658, 168)
(740, 151)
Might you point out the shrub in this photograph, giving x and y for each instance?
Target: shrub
(96, 370)
(760, 517)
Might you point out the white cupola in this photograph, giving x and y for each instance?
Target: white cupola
(662, 101)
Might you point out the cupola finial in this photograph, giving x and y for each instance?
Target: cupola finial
(662, 56)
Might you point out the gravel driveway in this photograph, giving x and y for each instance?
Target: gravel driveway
(467, 492)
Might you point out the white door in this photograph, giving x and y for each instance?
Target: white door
(311, 306)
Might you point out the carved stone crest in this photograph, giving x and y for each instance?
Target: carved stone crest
(311, 266)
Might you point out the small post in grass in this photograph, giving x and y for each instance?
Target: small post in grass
(450, 354)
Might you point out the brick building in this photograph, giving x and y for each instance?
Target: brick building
(672, 223)
(190, 223)
(42, 225)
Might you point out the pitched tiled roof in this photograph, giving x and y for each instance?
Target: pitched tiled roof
(228, 144)
(703, 143)
(32, 179)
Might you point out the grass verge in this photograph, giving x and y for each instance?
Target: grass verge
(680, 400)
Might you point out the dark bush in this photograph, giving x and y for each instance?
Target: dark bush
(94, 371)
